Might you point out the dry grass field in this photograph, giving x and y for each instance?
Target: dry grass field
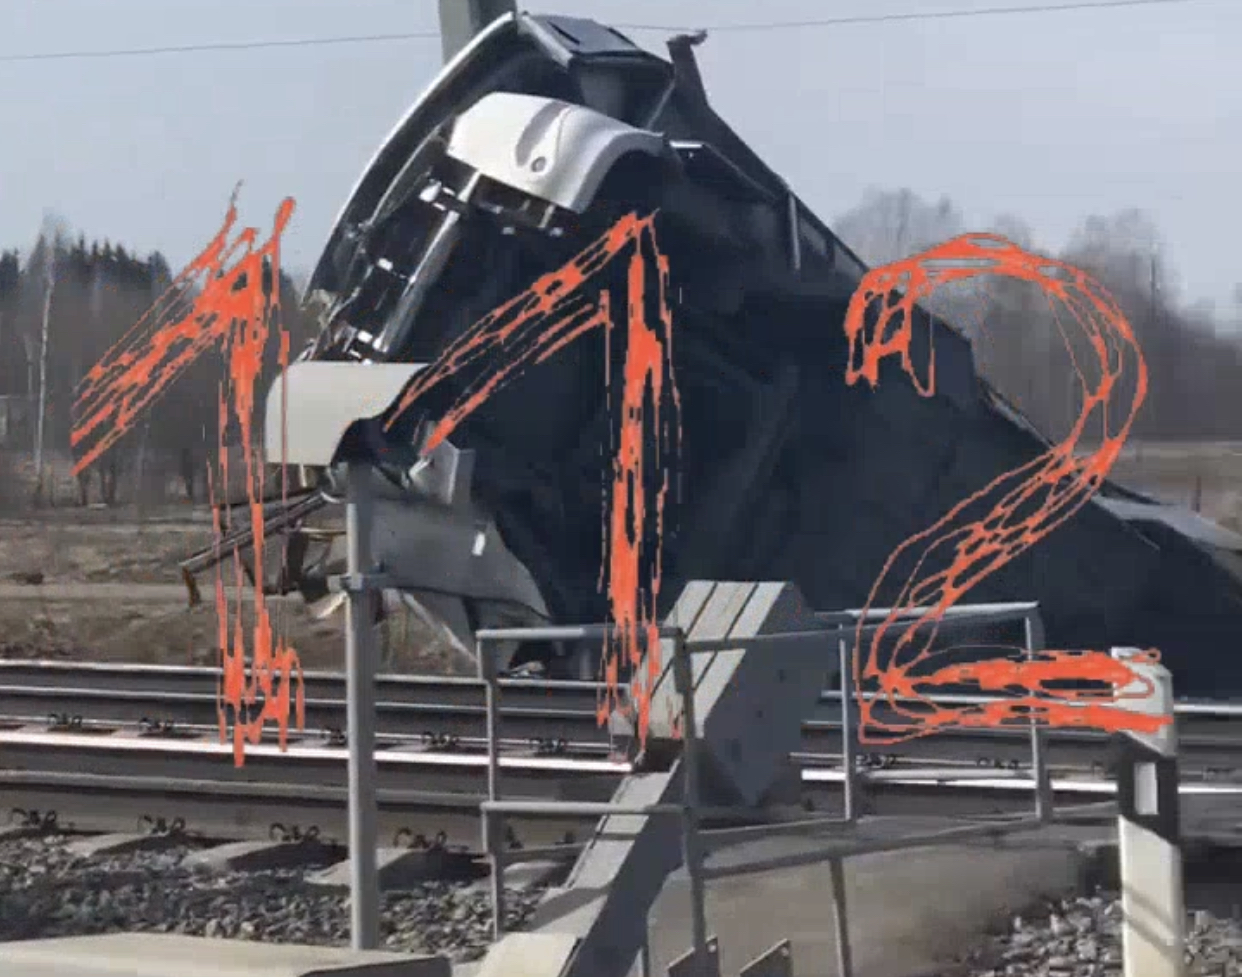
(111, 590)
(1178, 472)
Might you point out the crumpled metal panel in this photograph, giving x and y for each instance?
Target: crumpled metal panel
(549, 149)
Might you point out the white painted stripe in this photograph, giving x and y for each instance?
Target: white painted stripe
(1018, 783)
(411, 757)
(404, 755)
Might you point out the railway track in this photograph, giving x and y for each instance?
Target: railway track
(548, 717)
(84, 783)
(128, 748)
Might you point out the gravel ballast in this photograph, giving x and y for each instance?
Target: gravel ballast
(1081, 937)
(46, 891)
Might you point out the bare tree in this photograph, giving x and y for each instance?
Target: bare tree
(1020, 337)
(888, 225)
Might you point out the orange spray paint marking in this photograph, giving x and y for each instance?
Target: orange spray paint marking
(558, 308)
(1022, 506)
(634, 569)
(1044, 668)
(236, 306)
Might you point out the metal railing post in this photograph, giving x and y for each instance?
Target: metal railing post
(692, 852)
(840, 919)
(1033, 634)
(492, 820)
(848, 742)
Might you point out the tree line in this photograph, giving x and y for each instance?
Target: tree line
(1193, 353)
(63, 304)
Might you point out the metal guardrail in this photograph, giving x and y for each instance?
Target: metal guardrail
(690, 811)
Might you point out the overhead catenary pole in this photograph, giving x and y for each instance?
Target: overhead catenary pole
(460, 20)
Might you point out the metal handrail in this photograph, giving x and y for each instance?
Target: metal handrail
(840, 626)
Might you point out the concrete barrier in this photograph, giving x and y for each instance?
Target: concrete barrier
(1149, 836)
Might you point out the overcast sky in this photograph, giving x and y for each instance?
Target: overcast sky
(1050, 116)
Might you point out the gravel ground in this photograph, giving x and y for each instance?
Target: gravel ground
(45, 891)
(1081, 937)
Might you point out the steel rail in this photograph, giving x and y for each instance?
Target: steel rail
(435, 690)
(166, 680)
(164, 740)
(557, 716)
(433, 795)
(1203, 756)
(249, 811)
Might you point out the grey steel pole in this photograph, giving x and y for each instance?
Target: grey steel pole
(360, 709)
(461, 20)
(1034, 634)
(849, 744)
(492, 820)
(841, 919)
(692, 852)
